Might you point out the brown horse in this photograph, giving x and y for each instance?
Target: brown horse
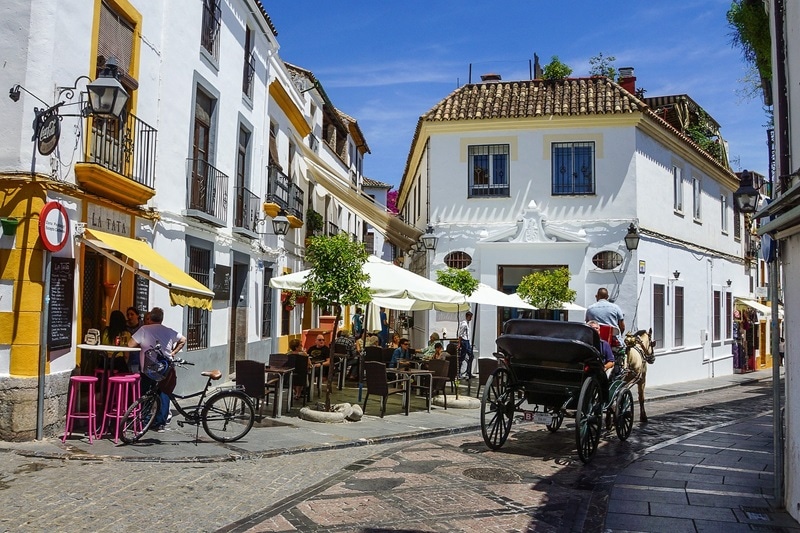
(639, 352)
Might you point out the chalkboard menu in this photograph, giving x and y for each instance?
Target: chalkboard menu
(62, 298)
(141, 292)
(222, 282)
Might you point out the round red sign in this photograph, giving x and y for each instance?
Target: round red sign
(54, 226)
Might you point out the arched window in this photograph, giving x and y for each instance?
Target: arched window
(458, 259)
(607, 260)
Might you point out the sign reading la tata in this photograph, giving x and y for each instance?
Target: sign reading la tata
(54, 226)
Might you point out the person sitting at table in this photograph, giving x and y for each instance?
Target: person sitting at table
(395, 342)
(319, 353)
(438, 351)
(401, 355)
(373, 340)
(116, 334)
(132, 320)
(427, 353)
(348, 347)
(296, 348)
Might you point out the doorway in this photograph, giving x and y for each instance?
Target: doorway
(238, 317)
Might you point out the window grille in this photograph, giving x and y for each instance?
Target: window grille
(658, 313)
(679, 313)
(458, 259)
(197, 327)
(266, 306)
(573, 168)
(607, 260)
(488, 170)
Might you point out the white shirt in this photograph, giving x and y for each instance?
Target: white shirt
(147, 336)
(463, 330)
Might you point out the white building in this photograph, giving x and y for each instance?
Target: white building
(219, 137)
(528, 175)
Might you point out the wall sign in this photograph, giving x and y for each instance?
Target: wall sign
(53, 226)
(642, 266)
(48, 130)
(62, 297)
(108, 220)
(141, 292)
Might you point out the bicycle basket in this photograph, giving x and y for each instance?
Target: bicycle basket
(156, 364)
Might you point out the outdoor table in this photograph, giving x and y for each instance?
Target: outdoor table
(107, 348)
(282, 371)
(411, 374)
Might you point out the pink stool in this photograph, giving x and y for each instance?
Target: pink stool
(73, 407)
(123, 390)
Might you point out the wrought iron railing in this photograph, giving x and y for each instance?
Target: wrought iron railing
(208, 189)
(245, 213)
(128, 148)
(249, 76)
(278, 186)
(296, 201)
(333, 229)
(209, 33)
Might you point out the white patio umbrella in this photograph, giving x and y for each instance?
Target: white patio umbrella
(386, 281)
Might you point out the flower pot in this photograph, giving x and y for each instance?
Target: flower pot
(289, 307)
(110, 289)
(301, 300)
(9, 225)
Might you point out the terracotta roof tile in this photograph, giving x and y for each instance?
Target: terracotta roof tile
(369, 182)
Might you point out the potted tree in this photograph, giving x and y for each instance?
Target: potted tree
(336, 278)
(547, 289)
(461, 281)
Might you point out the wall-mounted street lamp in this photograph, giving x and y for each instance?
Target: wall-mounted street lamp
(280, 224)
(746, 196)
(107, 98)
(632, 238)
(429, 240)
(729, 283)
(677, 274)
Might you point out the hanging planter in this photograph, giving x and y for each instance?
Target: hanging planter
(9, 225)
(289, 307)
(110, 288)
(301, 300)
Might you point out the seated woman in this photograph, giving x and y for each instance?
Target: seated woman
(395, 342)
(296, 348)
(116, 334)
(429, 350)
(438, 351)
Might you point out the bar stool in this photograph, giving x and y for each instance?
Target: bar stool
(123, 390)
(73, 407)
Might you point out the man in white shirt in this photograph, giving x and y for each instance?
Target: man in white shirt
(465, 351)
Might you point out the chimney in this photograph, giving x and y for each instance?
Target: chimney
(490, 78)
(627, 80)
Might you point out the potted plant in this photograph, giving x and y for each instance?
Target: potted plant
(314, 222)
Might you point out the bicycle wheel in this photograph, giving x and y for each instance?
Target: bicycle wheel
(497, 409)
(139, 417)
(228, 416)
(588, 419)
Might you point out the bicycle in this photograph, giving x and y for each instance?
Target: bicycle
(227, 414)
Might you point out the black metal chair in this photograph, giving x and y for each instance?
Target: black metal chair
(452, 371)
(373, 353)
(440, 368)
(251, 376)
(379, 385)
(486, 366)
(302, 376)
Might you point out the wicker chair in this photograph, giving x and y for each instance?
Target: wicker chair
(452, 370)
(379, 385)
(486, 367)
(251, 376)
(440, 368)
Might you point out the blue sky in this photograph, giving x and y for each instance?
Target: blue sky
(388, 62)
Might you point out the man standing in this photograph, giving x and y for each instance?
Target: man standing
(465, 353)
(172, 342)
(608, 313)
(384, 334)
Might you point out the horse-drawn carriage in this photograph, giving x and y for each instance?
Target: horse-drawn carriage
(549, 368)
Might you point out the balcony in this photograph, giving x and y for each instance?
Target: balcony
(333, 229)
(284, 195)
(120, 160)
(245, 214)
(208, 192)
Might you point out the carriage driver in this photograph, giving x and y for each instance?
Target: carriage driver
(608, 313)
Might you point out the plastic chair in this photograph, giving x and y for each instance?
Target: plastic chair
(122, 392)
(379, 385)
(73, 407)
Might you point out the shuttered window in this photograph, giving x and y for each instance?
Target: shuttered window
(115, 39)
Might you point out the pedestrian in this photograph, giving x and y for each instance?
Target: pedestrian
(384, 334)
(358, 323)
(171, 342)
(608, 313)
(465, 351)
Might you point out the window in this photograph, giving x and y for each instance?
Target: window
(723, 213)
(658, 313)
(197, 327)
(458, 259)
(249, 64)
(696, 198)
(678, 333)
(245, 214)
(607, 260)
(209, 33)
(266, 306)
(488, 170)
(737, 222)
(728, 315)
(573, 168)
(677, 184)
(717, 316)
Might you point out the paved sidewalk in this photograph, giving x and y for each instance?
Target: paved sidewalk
(718, 478)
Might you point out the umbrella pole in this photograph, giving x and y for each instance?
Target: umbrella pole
(364, 334)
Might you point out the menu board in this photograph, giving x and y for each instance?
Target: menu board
(62, 299)
(141, 292)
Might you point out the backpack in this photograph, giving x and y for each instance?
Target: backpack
(156, 364)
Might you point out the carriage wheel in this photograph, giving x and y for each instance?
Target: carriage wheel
(623, 414)
(558, 418)
(588, 419)
(497, 409)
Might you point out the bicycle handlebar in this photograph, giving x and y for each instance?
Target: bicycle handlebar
(181, 362)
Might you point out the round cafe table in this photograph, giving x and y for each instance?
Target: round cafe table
(106, 359)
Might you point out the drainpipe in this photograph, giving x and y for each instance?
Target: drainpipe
(45, 326)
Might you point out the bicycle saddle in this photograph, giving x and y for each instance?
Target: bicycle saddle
(213, 374)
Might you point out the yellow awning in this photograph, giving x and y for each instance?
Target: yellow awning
(183, 289)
